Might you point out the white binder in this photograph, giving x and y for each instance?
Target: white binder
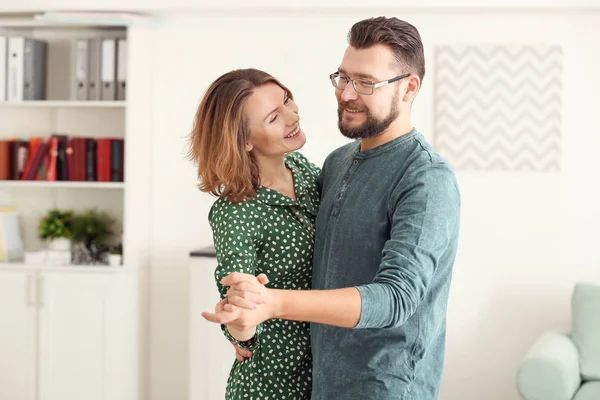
(3, 66)
(79, 77)
(94, 69)
(109, 66)
(15, 78)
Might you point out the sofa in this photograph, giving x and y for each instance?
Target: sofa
(566, 365)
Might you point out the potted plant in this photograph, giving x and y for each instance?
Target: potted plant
(91, 231)
(56, 228)
(115, 256)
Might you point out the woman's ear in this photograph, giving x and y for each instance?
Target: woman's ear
(249, 147)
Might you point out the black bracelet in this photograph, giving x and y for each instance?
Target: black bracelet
(244, 343)
(248, 343)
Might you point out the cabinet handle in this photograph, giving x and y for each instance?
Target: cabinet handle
(30, 298)
(42, 280)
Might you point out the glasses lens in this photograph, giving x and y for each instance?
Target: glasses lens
(363, 87)
(338, 81)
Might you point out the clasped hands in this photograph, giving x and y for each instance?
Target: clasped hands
(247, 304)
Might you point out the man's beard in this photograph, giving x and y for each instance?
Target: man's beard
(372, 126)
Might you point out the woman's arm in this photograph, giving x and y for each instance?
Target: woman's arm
(236, 232)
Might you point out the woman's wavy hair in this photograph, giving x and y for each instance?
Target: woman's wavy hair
(217, 143)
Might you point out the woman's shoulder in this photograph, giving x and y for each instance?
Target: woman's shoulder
(301, 162)
(223, 210)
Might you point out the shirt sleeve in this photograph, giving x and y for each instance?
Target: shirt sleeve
(425, 213)
(236, 235)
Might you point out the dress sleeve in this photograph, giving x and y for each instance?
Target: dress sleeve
(237, 234)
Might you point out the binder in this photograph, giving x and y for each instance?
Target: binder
(94, 68)
(79, 77)
(15, 80)
(121, 68)
(34, 69)
(3, 66)
(109, 55)
(27, 64)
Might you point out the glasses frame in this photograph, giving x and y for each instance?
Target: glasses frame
(373, 85)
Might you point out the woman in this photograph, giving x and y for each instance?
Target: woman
(244, 141)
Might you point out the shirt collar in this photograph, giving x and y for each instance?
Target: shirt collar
(275, 198)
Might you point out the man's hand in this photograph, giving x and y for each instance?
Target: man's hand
(246, 290)
(239, 318)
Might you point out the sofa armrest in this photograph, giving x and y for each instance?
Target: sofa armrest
(550, 369)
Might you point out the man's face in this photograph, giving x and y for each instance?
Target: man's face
(362, 116)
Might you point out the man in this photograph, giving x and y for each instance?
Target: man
(386, 236)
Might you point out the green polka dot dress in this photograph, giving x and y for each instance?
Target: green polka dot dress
(271, 234)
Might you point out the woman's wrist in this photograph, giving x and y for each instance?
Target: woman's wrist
(241, 335)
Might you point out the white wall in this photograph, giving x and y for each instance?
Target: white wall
(163, 5)
(526, 238)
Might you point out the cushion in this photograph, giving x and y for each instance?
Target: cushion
(588, 391)
(550, 370)
(585, 305)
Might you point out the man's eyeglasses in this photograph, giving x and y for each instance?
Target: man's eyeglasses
(362, 86)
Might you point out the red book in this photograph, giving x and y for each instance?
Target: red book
(5, 159)
(70, 160)
(36, 161)
(52, 159)
(34, 144)
(103, 159)
(79, 158)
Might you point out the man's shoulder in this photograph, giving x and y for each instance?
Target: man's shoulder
(341, 153)
(425, 158)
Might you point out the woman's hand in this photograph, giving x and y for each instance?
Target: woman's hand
(241, 354)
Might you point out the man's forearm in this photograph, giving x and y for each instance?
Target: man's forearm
(338, 307)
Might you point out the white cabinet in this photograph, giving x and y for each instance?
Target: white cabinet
(66, 335)
(17, 336)
(74, 335)
(211, 355)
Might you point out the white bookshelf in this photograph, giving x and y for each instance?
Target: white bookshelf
(62, 185)
(62, 104)
(21, 266)
(60, 114)
(101, 311)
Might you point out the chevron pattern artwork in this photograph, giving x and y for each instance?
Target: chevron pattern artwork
(498, 108)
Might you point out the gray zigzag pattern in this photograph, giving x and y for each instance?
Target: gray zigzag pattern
(498, 108)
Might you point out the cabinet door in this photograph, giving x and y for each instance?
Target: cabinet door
(17, 335)
(211, 355)
(74, 335)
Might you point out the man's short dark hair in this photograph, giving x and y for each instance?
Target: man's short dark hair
(401, 37)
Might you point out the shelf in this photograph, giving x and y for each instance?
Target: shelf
(62, 104)
(20, 266)
(61, 185)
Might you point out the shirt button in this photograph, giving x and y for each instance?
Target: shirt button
(355, 162)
